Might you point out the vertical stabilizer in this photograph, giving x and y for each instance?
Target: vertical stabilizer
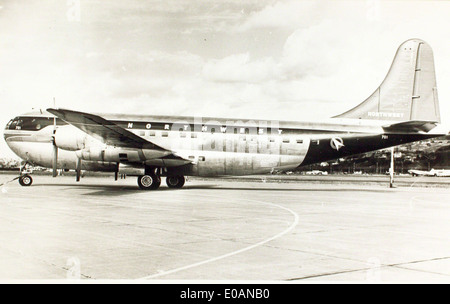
(409, 90)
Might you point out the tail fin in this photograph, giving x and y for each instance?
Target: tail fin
(409, 90)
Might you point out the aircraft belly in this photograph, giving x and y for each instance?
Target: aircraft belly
(213, 165)
(224, 163)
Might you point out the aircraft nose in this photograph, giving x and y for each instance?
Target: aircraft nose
(9, 124)
(6, 132)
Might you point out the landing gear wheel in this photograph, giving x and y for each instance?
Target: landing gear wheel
(25, 180)
(149, 182)
(175, 181)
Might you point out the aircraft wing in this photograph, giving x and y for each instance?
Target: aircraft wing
(104, 130)
(420, 172)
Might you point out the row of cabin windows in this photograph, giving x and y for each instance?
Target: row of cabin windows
(200, 158)
(212, 131)
(194, 135)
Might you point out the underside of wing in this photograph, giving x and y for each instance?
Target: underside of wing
(104, 130)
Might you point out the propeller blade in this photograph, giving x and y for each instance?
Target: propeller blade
(78, 170)
(55, 147)
(55, 160)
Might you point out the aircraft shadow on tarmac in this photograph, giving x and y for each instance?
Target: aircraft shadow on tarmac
(115, 190)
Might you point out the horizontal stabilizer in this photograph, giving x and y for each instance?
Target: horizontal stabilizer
(411, 126)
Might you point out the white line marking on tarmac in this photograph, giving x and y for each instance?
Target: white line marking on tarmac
(292, 226)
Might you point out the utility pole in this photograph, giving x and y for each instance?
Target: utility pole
(391, 170)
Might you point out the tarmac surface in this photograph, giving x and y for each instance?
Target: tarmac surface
(225, 229)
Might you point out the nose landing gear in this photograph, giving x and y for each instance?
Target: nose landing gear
(25, 180)
(24, 176)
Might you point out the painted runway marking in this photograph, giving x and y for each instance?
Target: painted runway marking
(292, 226)
(401, 265)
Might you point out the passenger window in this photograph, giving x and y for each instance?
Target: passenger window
(165, 134)
(299, 141)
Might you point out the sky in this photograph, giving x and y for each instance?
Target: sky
(254, 59)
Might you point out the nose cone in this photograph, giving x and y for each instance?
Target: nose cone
(7, 137)
(15, 142)
(13, 135)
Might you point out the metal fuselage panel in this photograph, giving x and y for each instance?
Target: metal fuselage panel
(217, 147)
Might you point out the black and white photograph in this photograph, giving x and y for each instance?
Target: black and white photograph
(231, 142)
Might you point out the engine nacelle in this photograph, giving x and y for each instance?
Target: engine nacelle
(131, 170)
(110, 154)
(70, 138)
(116, 155)
(92, 153)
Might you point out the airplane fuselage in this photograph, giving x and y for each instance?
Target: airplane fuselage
(202, 146)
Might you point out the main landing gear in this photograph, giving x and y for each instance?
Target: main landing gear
(152, 181)
(175, 181)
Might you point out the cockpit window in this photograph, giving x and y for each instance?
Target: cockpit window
(13, 123)
(8, 124)
(32, 123)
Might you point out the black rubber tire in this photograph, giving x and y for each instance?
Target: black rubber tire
(149, 182)
(25, 180)
(175, 181)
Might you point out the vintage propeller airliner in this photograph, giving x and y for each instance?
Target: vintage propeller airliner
(403, 109)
